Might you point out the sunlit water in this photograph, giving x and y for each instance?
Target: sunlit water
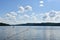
(29, 32)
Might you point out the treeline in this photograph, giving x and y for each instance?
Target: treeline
(39, 24)
(4, 24)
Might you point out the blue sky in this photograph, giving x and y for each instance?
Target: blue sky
(12, 5)
(7, 6)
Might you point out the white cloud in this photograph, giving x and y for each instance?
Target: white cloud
(28, 8)
(41, 5)
(8, 15)
(21, 9)
(42, 2)
(51, 16)
(27, 16)
(13, 13)
(52, 13)
(24, 9)
(34, 18)
(11, 16)
(1, 20)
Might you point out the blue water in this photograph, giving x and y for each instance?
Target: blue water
(29, 32)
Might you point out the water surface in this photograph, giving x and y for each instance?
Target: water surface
(29, 32)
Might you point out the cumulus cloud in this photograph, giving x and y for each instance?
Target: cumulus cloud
(11, 15)
(34, 18)
(41, 5)
(24, 9)
(9, 18)
(52, 16)
(21, 9)
(1, 19)
(52, 13)
(15, 18)
(41, 1)
(27, 16)
(28, 7)
(8, 15)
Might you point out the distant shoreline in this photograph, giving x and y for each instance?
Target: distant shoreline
(32, 24)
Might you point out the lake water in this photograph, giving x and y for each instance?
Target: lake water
(29, 32)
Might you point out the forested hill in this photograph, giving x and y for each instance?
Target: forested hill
(39, 24)
(32, 24)
(4, 24)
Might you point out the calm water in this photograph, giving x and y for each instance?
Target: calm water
(30, 33)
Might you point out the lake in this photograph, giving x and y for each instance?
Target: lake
(29, 32)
